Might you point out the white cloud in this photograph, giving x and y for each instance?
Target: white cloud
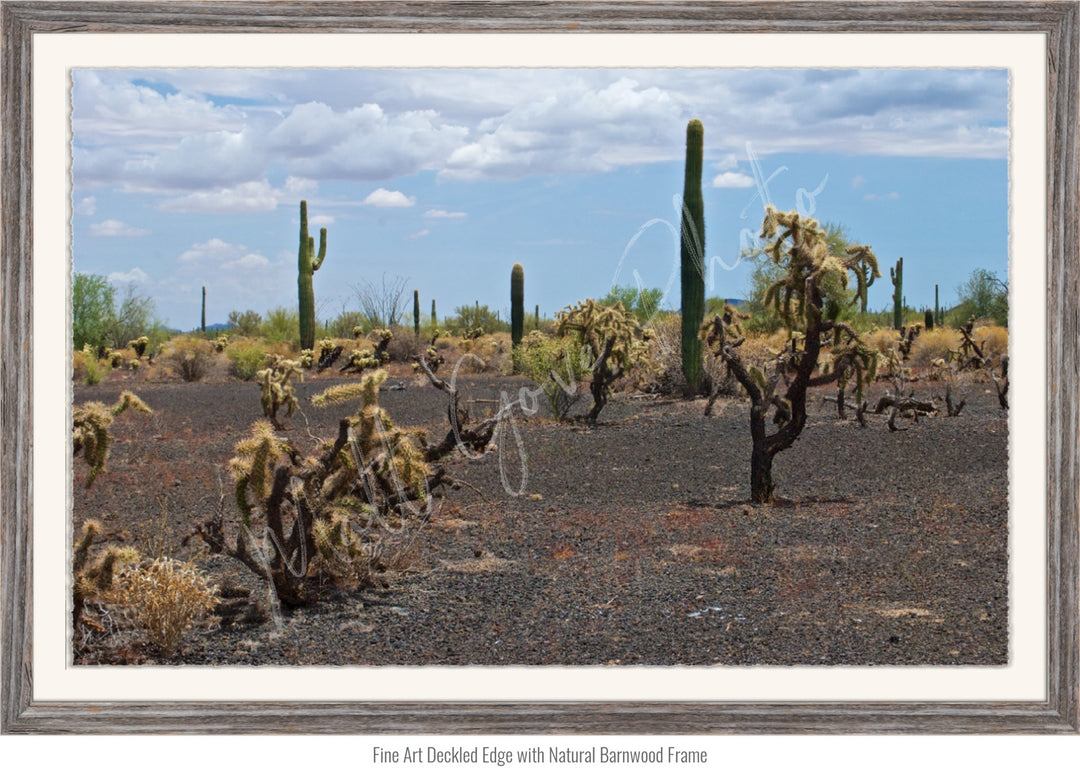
(114, 105)
(256, 196)
(321, 220)
(213, 249)
(86, 206)
(113, 228)
(732, 180)
(248, 262)
(419, 234)
(136, 275)
(858, 181)
(443, 214)
(363, 142)
(380, 197)
(172, 133)
(881, 197)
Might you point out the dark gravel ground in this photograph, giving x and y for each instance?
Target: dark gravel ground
(631, 543)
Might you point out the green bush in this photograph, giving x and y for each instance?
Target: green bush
(557, 365)
(245, 359)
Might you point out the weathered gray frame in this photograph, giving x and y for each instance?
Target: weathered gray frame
(1058, 21)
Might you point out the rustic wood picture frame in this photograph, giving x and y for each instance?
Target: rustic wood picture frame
(1059, 22)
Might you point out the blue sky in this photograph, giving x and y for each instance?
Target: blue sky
(191, 177)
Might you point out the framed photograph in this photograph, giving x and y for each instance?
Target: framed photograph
(774, 429)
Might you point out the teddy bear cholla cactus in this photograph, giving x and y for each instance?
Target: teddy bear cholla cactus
(277, 389)
(93, 576)
(615, 342)
(90, 429)
(799, 248)
(328, 511)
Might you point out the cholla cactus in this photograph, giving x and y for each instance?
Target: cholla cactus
(139, 346)
(221, 343)
(306, 506)
(851, 357)
(277, 389)
(615, 342)
(253, 466)
(90, 429)
(382, 337)
(359, 361)
(92, 577)
(377, 438)
(799, 248)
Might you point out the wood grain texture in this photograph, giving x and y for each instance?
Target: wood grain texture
(1060, 713)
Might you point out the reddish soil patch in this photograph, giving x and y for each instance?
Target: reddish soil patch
(631, 543)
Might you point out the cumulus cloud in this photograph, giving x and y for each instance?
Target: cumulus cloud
(363, 142)
(248, 262)
(170, 133)
(213, 249)
(135, 275)
(111, 104)
(256, 196)
(380, 197)
(86, 206)
(732, 180)
(419, 234)
(113, 228)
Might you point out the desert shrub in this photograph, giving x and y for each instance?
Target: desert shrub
(164, 598)
(558, 366)
(244, 323)
(933, 345)
(78, 365)
(245, 359)
(487, 353)
(883, 340)
(405, 346)
(190, 357)
(92, 369)
(993, 339)
(282, 325)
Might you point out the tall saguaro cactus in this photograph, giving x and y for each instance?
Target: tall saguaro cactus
(416, 312)
(434, 317)
(308, 263)
(692, 257)
(896, 274)
(517, 304)
(937, 308)
(204, 309)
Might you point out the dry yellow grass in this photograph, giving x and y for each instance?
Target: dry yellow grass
(931, 345)
(994, 340)
(165, 598)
